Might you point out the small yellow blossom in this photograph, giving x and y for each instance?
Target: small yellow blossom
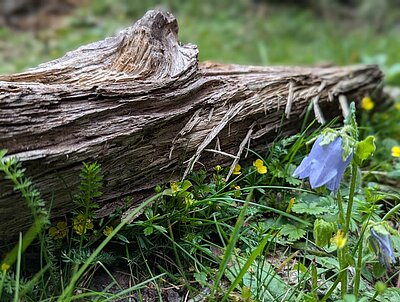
(174, 187)
(82, 224)
(259, 164)
(218, 168)
(236, 170)
(397, 105)
(59, 231)
(396, 151)
(237, 191)
(108, 230)
(339, 240)
(290, 205)
(5, 267)
(367, 103)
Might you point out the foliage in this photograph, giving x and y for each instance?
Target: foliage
(261, 235)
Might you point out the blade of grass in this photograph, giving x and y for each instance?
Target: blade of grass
(247, 265)
(65, 295)
(33, 281)
(18, 272)
(231, 244)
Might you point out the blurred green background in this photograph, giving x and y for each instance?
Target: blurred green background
(260, 32)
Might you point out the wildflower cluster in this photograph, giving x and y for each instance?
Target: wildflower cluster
(59, 231)
(259, 165)
(82, 224)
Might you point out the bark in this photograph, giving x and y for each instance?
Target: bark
(141, 105)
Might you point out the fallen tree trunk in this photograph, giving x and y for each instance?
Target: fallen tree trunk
(141, 105)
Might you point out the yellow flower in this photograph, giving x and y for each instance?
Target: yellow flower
(174, 187)
(236, 170)
(237, 191)
(290, 205)
(108, 230)
(5, 267)
(59, 231)
(397, 105)
(82, 224)
(218, 168)
(396, 151)
(339, 240)
(259, 164)
(367, 103)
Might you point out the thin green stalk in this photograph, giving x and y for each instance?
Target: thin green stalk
(332, 288)
(391, 212)
(357, 276)
(343, 268)
(314, 280)
(351, 196)
(231, 244)
(18, 272)
(341, 211)
(178, 259)
(258, 251)
(342, 252)
(67, 292)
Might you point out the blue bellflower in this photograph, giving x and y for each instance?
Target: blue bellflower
(382, 246)
(324, 165)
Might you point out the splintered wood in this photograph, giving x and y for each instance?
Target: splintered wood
(141, 105)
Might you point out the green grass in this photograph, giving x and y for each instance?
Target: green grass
(248, 239)
(237, 32)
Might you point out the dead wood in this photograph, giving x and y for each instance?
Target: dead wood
(141, 105)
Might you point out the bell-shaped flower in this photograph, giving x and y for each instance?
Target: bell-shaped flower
(381, 243)
(324, 165)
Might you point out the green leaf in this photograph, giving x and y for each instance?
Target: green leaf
(186, 184)
(293, 232)
(201, 278)
(312, 208)
(365, 148)
(122, 238)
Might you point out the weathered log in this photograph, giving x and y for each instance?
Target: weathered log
(141, 105)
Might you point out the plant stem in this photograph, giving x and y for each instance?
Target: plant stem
(65, 295)
(341, 211)
(343, 268)
(351, 196)
(342, 252)
(231, 244)
(332, 288)
(357, 277)
(391, 212)
(314, 280)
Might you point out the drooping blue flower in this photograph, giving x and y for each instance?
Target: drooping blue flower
(382, 245)
(324, 165)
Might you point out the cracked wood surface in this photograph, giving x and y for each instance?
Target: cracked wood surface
(141, 105)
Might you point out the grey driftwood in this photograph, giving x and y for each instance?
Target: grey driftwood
(140, 104)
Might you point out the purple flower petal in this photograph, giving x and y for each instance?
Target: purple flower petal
(382, 245)
(324, 165)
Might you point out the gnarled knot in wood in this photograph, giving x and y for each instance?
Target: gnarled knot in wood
(141, 105)
(147, 51)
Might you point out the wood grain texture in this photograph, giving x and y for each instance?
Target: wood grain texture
(140, 104)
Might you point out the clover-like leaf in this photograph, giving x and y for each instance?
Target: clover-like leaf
(294, 232)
